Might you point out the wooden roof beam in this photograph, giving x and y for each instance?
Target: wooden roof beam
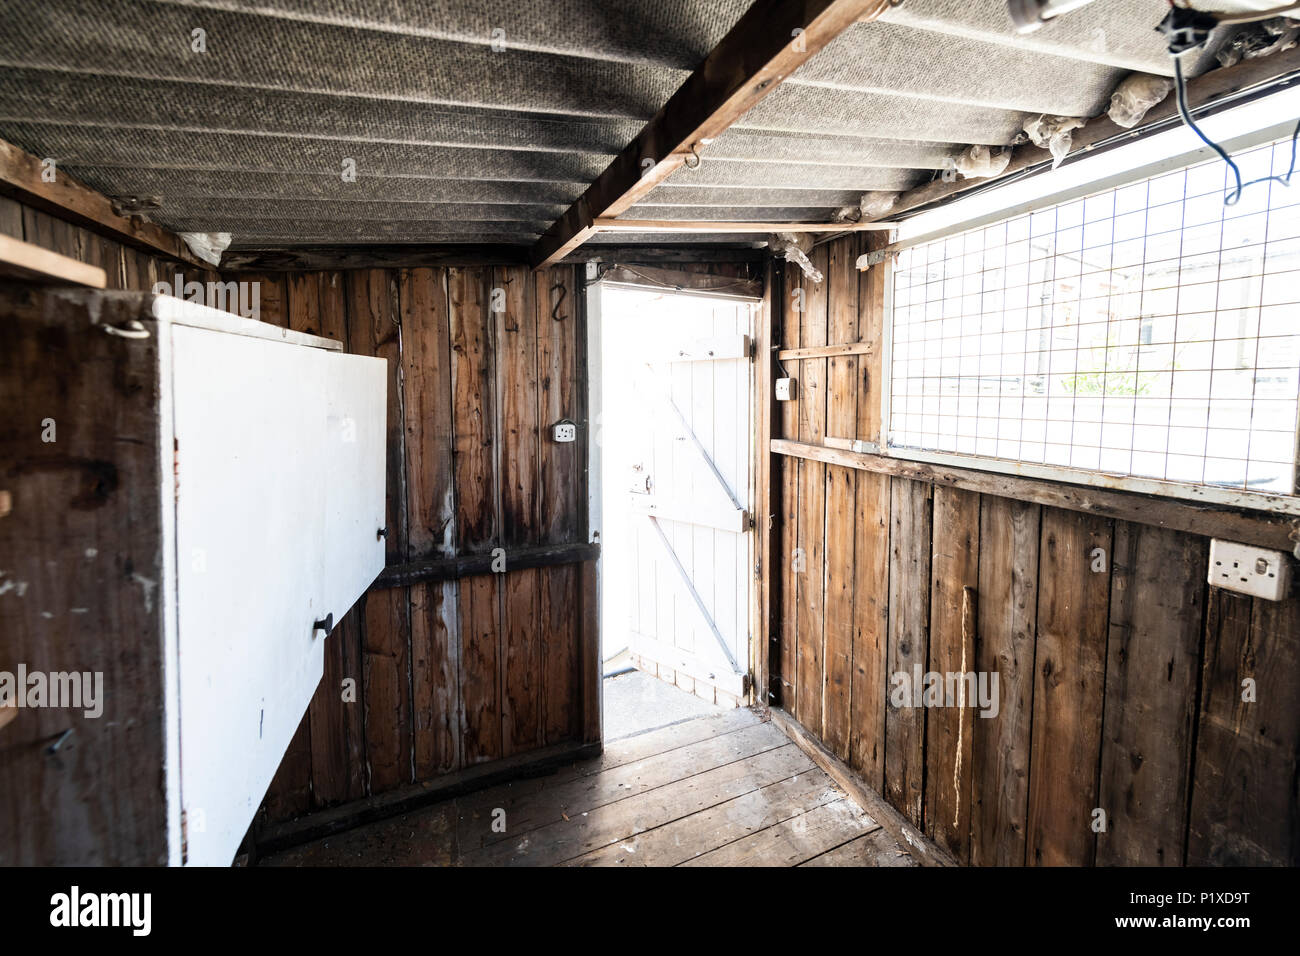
(690, 226)
(768, 43)
(22, 177)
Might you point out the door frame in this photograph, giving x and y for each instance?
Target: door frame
(760, 458)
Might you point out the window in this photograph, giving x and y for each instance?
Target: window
(1146, 331)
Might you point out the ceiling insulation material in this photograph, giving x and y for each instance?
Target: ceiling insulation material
(482, 120)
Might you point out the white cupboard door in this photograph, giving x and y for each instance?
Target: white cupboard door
(275, 529)
(353, 472)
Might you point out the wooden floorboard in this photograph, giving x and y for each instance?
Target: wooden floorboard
(795, 840)
(876, 848)
(726, 790)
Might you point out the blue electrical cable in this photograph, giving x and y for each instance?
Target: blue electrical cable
(1180, 91)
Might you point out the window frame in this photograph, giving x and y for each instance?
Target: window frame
(1273, 502)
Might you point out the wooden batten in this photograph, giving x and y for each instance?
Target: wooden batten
(769, 42)
(23, 177)
(23, 260)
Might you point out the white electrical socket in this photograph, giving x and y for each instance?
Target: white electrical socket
(565, 431)
(785, 390)
(1249, 570)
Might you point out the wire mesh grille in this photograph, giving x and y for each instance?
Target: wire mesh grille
(1147, 330)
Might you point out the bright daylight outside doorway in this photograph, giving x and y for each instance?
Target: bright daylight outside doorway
(676, 491)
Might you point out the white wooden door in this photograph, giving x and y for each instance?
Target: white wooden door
(688, 495)
(279, 497)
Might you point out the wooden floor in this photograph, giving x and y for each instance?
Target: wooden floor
(728, 790)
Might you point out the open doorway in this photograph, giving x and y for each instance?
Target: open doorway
(677, 495)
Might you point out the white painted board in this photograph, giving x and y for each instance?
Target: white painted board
(276, 519)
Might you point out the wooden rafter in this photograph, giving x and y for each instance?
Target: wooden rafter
(689, 226)
(22, 177)
(772, 40)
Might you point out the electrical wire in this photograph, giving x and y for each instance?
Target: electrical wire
(1180, 93)
(1231, 198)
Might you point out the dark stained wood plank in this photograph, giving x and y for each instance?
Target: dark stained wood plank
(435, 680)
(515, 315)
(559, 477)
(82, 547)
(290, 792)
(811, 582)
(840, 579)
(589, 660)
(474, 402)
(870, 628)
(871, 327)
(560, 624)
(871, 548)
(272, 297)
(1070, 667)
(427, 406)
(841, 511)
(909, 625)
(1245, 808)
(371, 301)
(1157, 603)
(11, 217)
(1008, 624)
(521, 702)
(480, 675)
(785, 678)
(949, 730)
(559, 499)
(462, 565)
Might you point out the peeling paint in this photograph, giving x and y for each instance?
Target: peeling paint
(18, 587)
(149, 587)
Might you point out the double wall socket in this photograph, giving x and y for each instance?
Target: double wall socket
(1249, 570)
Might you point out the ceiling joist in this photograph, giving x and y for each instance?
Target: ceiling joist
(687, 226)
(772, 40)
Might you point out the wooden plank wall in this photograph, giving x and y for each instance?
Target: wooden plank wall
(126, 266)
(432, 678)
(1120, 678)
(440, 676)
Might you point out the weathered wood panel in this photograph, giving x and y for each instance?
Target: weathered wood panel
(1245, 800)
(468, 470)
(1106, 666)
(811, 583)
(1008, 627)
(82, 546)
(949, 732)
(1156, 609)
(840, 508)
(1070, 666)
(870, 628)
(449, 674)
(909, 625)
